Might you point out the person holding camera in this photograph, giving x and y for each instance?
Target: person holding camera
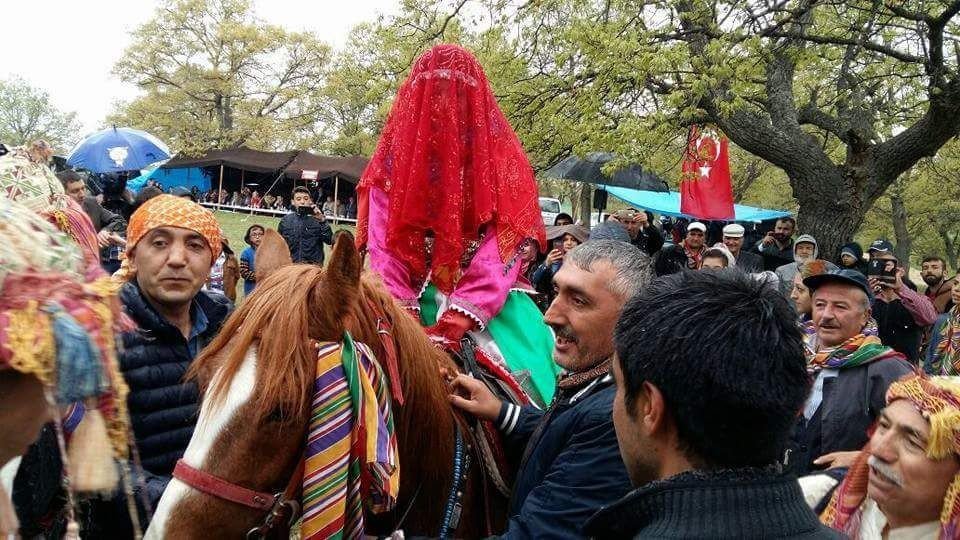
(305, 229)
(900, 311)
(777, 246)
(643, 233)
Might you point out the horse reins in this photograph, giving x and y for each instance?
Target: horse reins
(277, 505)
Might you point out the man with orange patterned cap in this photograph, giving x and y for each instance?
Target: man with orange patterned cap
(445, 204)
(906, 482)
(171, 244)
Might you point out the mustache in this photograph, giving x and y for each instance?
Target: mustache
(885, 470)
(828, 323)
(564, 332)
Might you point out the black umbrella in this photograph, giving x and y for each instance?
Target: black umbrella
(589, 170)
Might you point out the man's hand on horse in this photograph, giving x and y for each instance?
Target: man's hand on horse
(474, 397)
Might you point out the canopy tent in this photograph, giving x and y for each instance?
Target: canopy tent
(276, 173)
(169, 178)
(242, 158)
(310, 165)
(668, 203)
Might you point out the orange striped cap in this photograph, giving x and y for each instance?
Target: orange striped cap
(170, 211)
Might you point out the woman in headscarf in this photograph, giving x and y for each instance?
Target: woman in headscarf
(448, 165)
(563, 238)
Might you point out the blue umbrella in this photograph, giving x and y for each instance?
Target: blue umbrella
(116, 150)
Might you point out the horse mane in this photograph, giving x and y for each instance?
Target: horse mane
(419, 360)
(285, 303)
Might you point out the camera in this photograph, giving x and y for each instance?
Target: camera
(306, 210)
(885, 270)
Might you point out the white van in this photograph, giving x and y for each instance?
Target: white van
(549, 208)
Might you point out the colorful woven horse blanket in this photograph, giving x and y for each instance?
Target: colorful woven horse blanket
(351, 451)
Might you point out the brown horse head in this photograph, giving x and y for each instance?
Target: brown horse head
(258, 375)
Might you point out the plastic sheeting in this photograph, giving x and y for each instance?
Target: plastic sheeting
(668, 203)
(170, 178)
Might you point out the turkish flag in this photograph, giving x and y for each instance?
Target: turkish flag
(705, 191)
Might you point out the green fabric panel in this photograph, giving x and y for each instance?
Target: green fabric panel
(429, 306)
(526, 342)
(521, 335)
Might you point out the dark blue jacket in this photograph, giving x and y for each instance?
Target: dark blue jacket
(305, 236)
(163, 409)
(572, 465)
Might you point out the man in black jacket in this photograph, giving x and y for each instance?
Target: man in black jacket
(703, 423)
(852, 371)
(305, 229)
(571, 465)
(109, 226)
(643, 233)
(172, 245)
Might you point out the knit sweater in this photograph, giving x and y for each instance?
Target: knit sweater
(737, 503)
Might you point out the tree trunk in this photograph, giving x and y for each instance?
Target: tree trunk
(832, 217)
(901, 233)
(950, 249)
(586, 206)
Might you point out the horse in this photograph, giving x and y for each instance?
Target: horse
(256, 378)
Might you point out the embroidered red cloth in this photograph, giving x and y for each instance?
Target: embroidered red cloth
(450, 163)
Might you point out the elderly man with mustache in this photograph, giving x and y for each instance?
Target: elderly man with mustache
(906, 482)
(571, 463)
(851, 371)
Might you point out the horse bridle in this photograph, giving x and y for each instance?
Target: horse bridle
(277, 505)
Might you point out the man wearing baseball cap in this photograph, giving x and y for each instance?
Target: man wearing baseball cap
(851, 371)
(901, 312)
(750, 263)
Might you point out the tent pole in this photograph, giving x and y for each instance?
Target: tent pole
(336, 197)
(220, 190)
(241, 182)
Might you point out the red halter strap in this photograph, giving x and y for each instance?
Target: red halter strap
(384, 330)
(228, 491)
(221, 489)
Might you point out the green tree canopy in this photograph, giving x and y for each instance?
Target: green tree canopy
(26, 115)
(216, 76)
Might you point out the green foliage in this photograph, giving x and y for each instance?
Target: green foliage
(931, 195)
(26, 115)
(215, 76)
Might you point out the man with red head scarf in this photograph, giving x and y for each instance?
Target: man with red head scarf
(445, 204)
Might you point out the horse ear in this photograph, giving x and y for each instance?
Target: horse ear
(272, 253)
(343, 273)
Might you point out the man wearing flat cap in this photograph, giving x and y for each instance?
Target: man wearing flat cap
(750, 263)
(851, 371)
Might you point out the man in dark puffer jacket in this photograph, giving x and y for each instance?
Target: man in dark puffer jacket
(172, 245)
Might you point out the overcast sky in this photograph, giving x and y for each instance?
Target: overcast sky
(69, 47)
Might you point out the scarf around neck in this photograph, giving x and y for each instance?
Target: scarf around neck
(859, 350)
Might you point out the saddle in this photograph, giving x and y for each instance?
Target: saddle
(507, 386)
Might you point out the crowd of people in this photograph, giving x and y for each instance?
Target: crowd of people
(671, 387)
(245, 198)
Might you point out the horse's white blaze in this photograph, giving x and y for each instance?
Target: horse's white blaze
(213, 420)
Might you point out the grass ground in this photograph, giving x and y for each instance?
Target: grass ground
(235, 225)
